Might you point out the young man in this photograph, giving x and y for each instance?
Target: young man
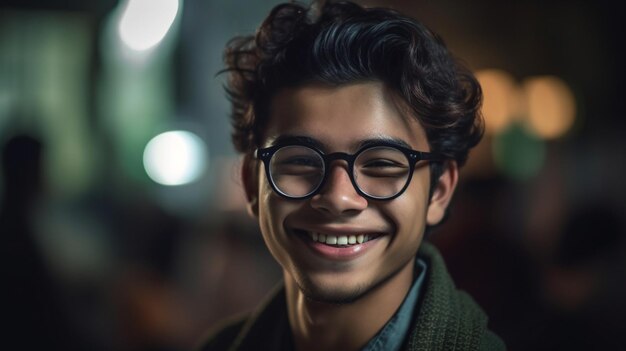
(353, 123)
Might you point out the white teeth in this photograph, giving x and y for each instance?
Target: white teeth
(339, 240)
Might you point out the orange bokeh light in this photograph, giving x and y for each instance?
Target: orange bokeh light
(500, 99)
(550, 106)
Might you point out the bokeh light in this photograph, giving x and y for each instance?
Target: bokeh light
(500, 99)
(144, 23)
(175, 158)
(550, 106)
(518, 153)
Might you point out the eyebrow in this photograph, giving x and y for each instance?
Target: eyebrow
(385, 139)
(307, 140)
(297, 139)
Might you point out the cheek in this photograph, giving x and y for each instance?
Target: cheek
(410, 217)
(270, 223)
(269, 211)
(273, 210)
(409, 210)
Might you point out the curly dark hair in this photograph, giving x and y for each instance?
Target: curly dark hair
(345, 43)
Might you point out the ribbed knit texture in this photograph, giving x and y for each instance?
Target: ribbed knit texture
(448, 319)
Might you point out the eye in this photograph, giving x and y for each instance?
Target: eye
(302, 161)
(382, 168)
(382, 163)
(297, 162)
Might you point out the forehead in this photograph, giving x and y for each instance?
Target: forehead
(340, 117)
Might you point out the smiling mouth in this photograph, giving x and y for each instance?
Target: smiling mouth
(337, 240)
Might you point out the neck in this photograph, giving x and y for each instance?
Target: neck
(324, 326)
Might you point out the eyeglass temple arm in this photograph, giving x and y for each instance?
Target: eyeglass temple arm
(428, 156)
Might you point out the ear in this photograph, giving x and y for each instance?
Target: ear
(442, 194)
(250, 179)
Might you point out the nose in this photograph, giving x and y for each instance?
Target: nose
(338, 196)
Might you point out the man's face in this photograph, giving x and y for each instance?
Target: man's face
(341, 119)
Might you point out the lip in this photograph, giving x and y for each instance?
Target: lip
(337, 253)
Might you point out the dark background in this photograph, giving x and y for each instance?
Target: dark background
(99, 256)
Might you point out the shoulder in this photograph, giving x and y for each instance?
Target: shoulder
(491, 341)
(265, 325)
(222, 336)
(448, 318)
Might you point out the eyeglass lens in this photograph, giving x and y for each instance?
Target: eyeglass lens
(380, 172)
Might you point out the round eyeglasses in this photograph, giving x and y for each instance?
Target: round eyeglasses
(378, 171)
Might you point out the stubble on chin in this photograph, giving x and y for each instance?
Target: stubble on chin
(339, 295)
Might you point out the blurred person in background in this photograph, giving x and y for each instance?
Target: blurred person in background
(353, 124)
(32, 309)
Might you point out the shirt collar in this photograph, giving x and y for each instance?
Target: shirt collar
(393, 334)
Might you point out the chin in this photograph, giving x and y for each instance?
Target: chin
(339, 292)
(335, 296)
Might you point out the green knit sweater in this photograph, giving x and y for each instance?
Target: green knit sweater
(445, 319)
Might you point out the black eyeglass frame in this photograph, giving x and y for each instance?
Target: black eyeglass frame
(413, 156)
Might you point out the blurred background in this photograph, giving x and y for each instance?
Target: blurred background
(123, 223)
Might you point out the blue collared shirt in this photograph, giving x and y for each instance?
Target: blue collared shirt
(391, 337)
